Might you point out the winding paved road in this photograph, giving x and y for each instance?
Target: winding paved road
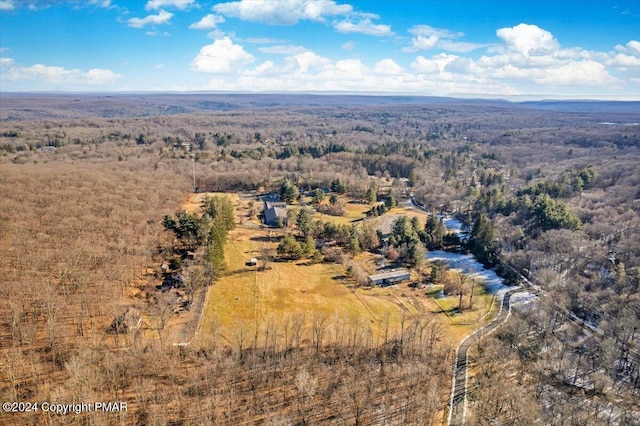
(458, 402)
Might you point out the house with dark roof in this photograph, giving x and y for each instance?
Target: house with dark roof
(279, 204)
(275, 213)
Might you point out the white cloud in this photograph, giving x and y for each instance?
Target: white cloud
(363, 26)
(346, 70)
(7, 5)
(290, 12)
(46, 77)
(350, 45)
(528, 40)
(428, 31)
(622, 60)
(427, 37)
(158, 66)
(425, 66)
(100, 76)
(265, 68)
(161, 18)
(208, 22)
(101, 3)
(157, 34)
(218, 34)
(533, 57)
(460, 65)
(459, 46)
(583, 73)
(387, 67)
(264, 40)
(438, 64)
(422, 42)
(163, 4)
(634, 47)
(309, 61)
(282, 12)
(510, 72)
(282, 49)
(532, 60)
(221, 57)
(317, 10)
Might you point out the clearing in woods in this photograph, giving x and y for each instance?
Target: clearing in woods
(247, 302)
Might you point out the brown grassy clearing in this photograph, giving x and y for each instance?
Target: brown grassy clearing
(248, 297)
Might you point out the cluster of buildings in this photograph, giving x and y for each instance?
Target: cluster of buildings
(275, 214)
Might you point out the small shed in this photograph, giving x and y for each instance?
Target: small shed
(252, 262)
(390, 277)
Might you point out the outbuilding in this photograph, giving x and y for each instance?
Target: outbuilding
(389, 277)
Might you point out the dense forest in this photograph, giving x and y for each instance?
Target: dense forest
(90, 187)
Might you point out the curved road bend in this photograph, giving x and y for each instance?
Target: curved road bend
(458, 403)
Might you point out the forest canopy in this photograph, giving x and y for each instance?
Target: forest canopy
(93, 229)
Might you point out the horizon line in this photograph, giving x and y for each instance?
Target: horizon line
(461, 96)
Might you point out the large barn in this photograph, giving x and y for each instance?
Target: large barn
(389, 277)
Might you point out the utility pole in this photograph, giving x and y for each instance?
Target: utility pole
(193, 168)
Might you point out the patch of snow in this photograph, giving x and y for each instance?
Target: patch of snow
(455, 225)
(523, 298)
(468, 264)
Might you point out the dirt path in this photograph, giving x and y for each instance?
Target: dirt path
(366, 306)
(458, 402)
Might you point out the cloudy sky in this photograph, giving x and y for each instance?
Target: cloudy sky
(535, 49)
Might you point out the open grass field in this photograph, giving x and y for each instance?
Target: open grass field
(385, 222)
(192, 205)
(248, 297)
(353, 211)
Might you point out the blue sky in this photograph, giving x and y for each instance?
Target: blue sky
(508, 48)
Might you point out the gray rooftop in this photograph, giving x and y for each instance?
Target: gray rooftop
(394, 273)
(272, 214)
